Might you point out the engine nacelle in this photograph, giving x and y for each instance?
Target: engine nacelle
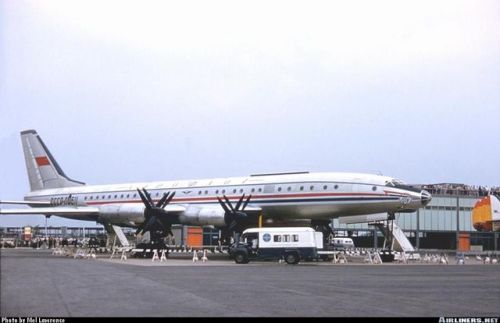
(122, 213)
(203, 216)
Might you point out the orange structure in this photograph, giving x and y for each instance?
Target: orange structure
(194, 236)
(463, 241)
(486, 214)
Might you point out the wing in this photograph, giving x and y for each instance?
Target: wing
(45, 208)
(175, 208)
(31, 203)
(61, 210)
(253, 210)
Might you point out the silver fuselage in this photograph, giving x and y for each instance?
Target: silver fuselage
(295, 196)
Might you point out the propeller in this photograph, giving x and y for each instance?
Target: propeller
(234, 216)
(155, 215)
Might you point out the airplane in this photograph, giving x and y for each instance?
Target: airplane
(486, 214)
(231, 204)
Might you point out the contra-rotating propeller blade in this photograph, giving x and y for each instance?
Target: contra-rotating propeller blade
(234, 215)
(144, 199)
(155, 215)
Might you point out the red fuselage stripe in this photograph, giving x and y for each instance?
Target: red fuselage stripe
(237, 197)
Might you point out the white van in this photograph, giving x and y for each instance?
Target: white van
(290, 243)
(342, 243)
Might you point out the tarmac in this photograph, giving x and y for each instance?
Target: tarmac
(37, 283)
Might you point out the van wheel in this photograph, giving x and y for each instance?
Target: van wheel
(291, 258)
(240, 258)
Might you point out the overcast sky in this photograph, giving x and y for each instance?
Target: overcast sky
(125, 91)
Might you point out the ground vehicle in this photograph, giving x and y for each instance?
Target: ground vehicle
(341, 243)
(7, 242)
(292, 244)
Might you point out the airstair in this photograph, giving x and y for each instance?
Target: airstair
(121, 236)
(395, 238)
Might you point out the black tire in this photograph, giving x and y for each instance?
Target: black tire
(240, 258)
(292, 258)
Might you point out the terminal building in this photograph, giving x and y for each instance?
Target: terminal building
(444, 224)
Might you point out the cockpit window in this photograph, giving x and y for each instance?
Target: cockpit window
(401, 185)
(394, 183)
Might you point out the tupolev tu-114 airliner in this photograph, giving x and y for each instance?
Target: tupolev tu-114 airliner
(232, 204)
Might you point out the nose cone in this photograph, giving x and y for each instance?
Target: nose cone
(425, 197)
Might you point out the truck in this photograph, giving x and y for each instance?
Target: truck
(292, 244)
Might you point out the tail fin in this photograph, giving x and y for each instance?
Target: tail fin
(486, 214)
(43, 170)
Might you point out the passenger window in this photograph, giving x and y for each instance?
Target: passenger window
(325, 187)
(311, 188)
(241, 190)
(260, 189)
(97, 197)
(289, 189)
(286, 238)
(279, 189)
(295, 238)
(277, 238)
(234, 191)
(253, 190)
(302, 188)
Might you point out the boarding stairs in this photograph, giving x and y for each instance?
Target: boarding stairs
(118, 233)
(395, 238)
(121, 236)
